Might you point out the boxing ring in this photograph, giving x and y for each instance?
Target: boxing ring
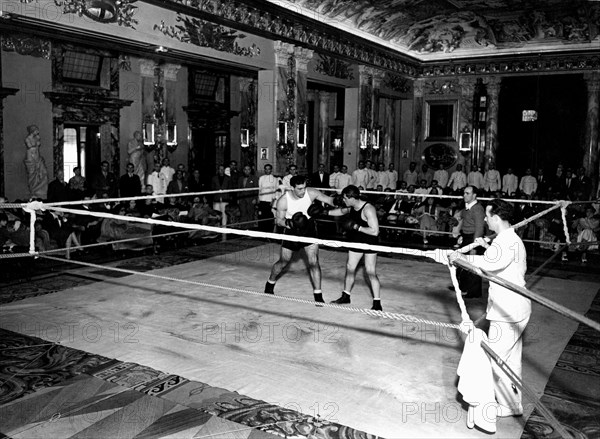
(390, 374)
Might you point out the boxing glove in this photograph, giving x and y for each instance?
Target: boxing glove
(315, 210)
(350, 225)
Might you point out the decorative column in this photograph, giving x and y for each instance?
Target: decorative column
(465, 121)
(389, 130)
(302, 58)
(285, 89)
(248, 122)
(418, 127)
(591, 145)
(4, 92)
(493, 90)
(323, 146)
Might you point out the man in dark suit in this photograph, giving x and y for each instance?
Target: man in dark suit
(106, 182)
(543, 184)
(583, 185)
(129, 183)
(221, 182)
(473, 226)
(247, 200)
(320, 178)
(570, 185)
(58, 189)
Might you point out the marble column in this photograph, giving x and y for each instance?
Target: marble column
(591, 145)
(302, 58)
(465, 122)
(323, 128)
(418, 127)
(493, 89)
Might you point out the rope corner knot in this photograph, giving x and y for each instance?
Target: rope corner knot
(33, 206)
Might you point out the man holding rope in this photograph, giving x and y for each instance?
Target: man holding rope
(294, 214)
(507, 311)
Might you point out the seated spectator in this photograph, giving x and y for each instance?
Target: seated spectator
(587, 231)
(117, 229)
(426, 213)
(202, 213)
(58, 189)
(77, 185)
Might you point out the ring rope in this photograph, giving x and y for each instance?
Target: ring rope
(386, 315)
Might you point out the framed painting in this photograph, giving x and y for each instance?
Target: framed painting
(441, 120)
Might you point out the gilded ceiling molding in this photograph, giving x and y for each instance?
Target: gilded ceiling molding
(283, 52)
(280, 27)
(206, 34)
(546, 63)
(26, 45)
(120, 12)
(147, 67)
(330, 66)
(441, 87)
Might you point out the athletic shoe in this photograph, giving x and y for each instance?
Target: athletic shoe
(377, 305)
(506, 412)
(269, 288)
(319, 298)
(344, 298)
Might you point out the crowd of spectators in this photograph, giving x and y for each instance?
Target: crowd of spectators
(401, 202)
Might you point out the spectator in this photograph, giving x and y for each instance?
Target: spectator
(491, 179)
(475, 178)
(292, 172)
(247, 200)
(426, 174)
(333, 176)
(528, 184)
(360, 177)
(129, 183)
(510, 183)
(105, 181)
(158, 181)
(58, 189)
(411, 175)
(220, 201)
(441, 175)
(382, 176)
(372, 182)
(195, 183)
(392, 177)
(320, 179)
(268, 185)
(344, 179)
(458, 180)
(542, 182)
(77, 185)
(167, 171)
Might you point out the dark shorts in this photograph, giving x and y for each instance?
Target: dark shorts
(359, 237)
(294, 245)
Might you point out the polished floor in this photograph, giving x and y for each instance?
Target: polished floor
(41, 378)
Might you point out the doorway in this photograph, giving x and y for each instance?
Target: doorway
(204, 153)
(81, 148)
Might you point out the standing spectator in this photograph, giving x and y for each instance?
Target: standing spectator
(320, 179)
(475, 178)
(583, 185)
(247, 200)
(158, 181)
(181, 167)
(507, 311)
(58, 189)
(392, 177)
(268, 185)
(177, 185)
(382, 176)
(105, 182)
(77, 185)
(542, 183)
(473, 227)
(528, 184)
(220, 201)
(292, 172)
(441, 175)
(167, 171)
(344, 179)
(370, 167)
(135, 149)
(129, 183)
(458, 180)
(360, 177)
(411, 175)
(491, 179)
(195, 183)
(557, 187)
(510, 183)
(334, 176)
(570, 184)
(425, 174)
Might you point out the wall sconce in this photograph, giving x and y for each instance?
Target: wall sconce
(464, 143)
(375, 137)
(148, 132)
(302, 135)
(364, 138)
(245, 138)
(282, 132)
(337, 144)
(171, 134)
(103, 11)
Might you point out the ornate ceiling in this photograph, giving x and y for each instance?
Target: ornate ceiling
(437, 30)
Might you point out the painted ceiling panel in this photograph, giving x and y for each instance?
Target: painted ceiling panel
(445, 29)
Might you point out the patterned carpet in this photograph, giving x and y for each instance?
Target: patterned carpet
(48, 390)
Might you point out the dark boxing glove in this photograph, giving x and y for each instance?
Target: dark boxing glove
(338, 201)
(350, 225)
(299, 223)
(315, 210)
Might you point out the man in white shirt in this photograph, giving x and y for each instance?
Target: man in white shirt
(510, 183)
(425, 174)
(411, 176)
(167, 171)
(441, 175)
(370, 167)
(392, 177)
(292, 171)
(158, 181)
(360, 177)
(334, 176)
(458, 180)
(268, 185)
(528, 183)
(508, 312)
(422, 188)
(382, 176)
(491, 179)
(344, 179)
(475, 177)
